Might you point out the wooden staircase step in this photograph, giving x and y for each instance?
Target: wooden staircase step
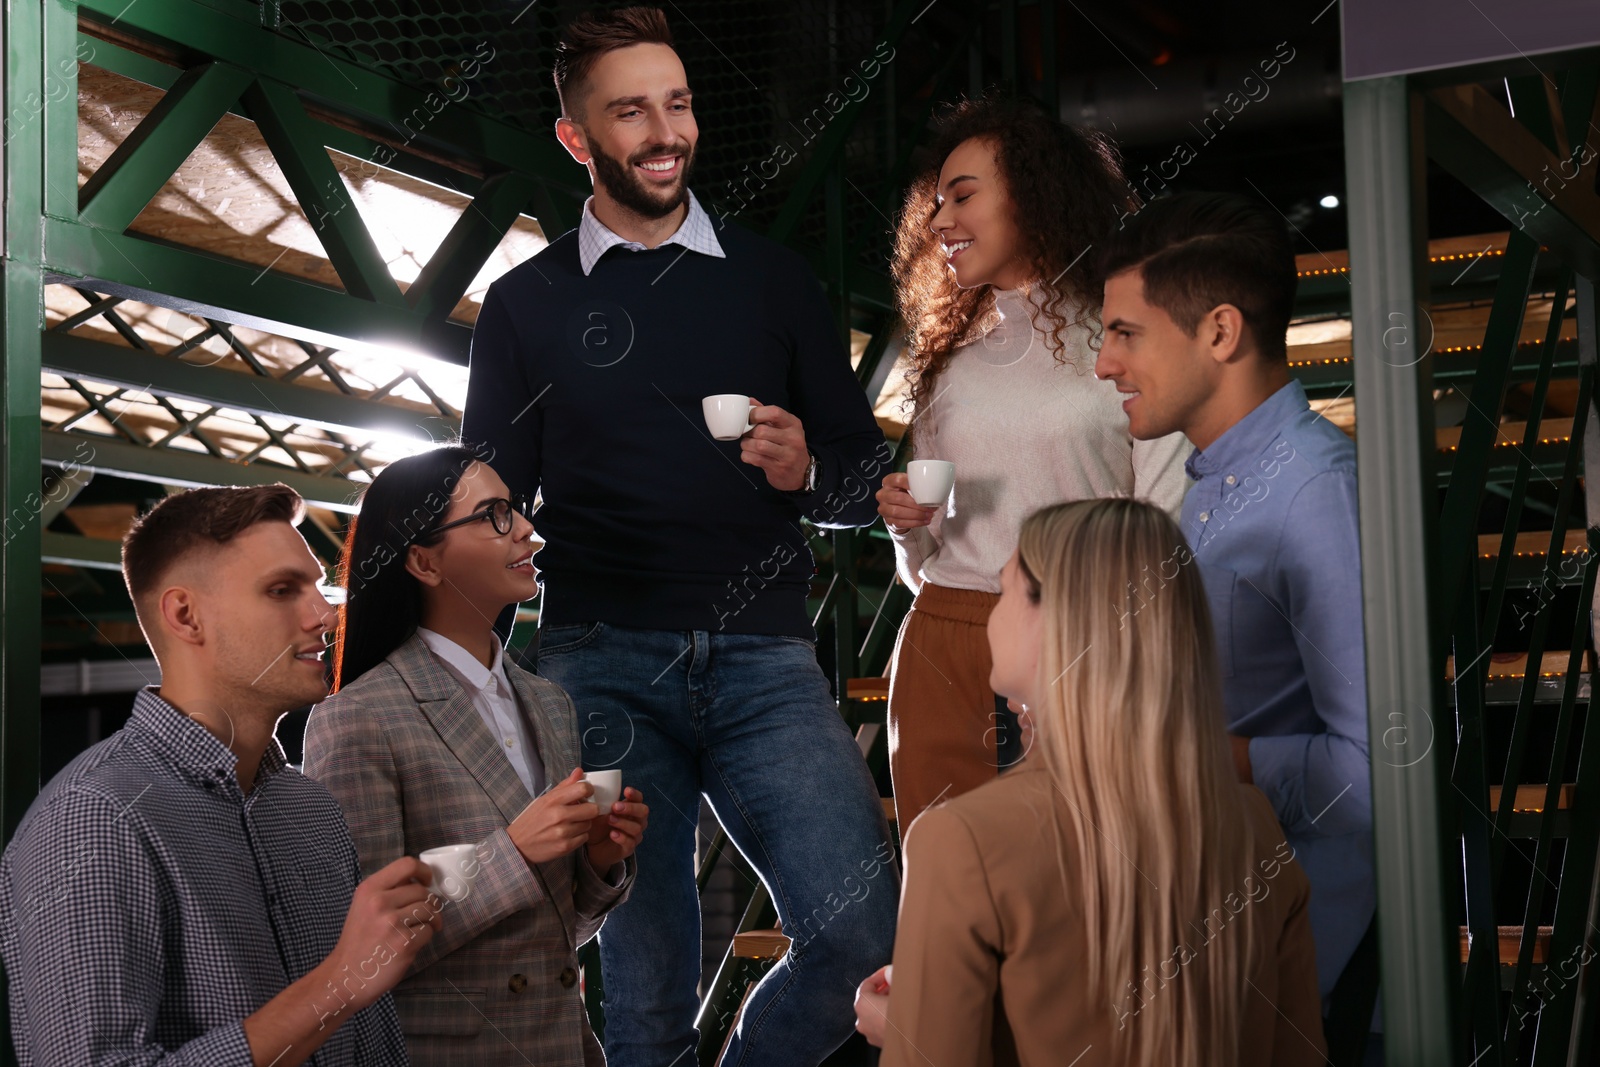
(1530, 798)
(1512, 665)
(1510, 938)
(760, 945)
(1551, 432)
(1534, 544)
(867, 689)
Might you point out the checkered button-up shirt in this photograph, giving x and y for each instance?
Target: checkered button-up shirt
(595, 238)
(148, 905)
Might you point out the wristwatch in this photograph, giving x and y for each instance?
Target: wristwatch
(809, 485)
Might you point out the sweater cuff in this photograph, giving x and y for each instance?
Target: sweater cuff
(841, 496)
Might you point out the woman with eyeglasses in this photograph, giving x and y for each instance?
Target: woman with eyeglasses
(432, 737)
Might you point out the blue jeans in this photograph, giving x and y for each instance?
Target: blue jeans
(749, 722)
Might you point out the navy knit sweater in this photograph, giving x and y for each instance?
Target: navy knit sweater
(588, 388)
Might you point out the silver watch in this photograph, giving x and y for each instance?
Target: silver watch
(809, 485)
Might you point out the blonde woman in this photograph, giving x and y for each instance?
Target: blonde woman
(1120, 898)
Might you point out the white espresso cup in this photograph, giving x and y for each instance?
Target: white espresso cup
(454, 867)
(727, 415)
(931, 480)
(607, 788)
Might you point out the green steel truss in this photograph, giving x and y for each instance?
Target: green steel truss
(1447, 857)
(1484, 785)
(210, 407)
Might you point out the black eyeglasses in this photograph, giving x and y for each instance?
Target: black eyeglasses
(498, 511)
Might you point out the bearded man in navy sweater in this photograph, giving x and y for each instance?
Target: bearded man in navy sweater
(675, 571)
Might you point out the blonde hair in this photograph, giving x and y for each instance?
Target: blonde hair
(1130, 725)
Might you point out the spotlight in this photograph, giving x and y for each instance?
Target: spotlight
(1329, 201)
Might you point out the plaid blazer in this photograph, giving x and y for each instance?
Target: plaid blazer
(413, 766)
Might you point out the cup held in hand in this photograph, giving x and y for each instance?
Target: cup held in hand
(607, 788)
(454, 867)
(727, 415)
(931, 480)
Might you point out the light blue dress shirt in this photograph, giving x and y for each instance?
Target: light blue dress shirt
(1272, 519)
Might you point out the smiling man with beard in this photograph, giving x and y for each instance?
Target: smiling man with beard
(675, 570)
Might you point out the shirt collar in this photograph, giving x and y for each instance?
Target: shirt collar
(193, 749)
(595, 238)
(463, 664)
(1250, 436)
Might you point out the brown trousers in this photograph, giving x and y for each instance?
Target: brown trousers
(943, 725)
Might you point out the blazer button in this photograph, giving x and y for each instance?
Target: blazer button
(569, 978)
(518, 983)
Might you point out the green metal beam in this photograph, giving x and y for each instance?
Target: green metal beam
(169, 466)
(1476, 139)
(1414, 847)
(556, 208)
(60, 111)
(109, 55)
(1480, 433)
(299, 152)
(127, 181)
(470, 243)
(868, 288)
(80, 357)
(1454, 281)
(207, 286)
(190, 27)
(830, 143)
(73, 551)
(37, 83)
(30, 94)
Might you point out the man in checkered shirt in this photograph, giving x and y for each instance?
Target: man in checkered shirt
(178, 894)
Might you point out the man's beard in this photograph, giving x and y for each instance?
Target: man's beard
(629, 190)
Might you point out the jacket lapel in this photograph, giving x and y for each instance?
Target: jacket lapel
(558, 751)
(448, 708)
(553, 732)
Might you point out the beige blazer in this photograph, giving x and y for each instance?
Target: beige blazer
(413, 767)
(988, 954)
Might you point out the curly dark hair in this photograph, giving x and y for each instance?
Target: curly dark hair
(1066, 182)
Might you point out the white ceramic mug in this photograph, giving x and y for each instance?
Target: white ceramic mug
(607, 788)
(454, 867)
(727, 415)
(931, 480)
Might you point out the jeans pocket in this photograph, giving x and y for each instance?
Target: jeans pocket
(555, 640)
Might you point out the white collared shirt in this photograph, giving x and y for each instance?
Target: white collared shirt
(697, 234)
(496, 701)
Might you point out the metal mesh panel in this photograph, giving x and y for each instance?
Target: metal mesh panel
(769, 78)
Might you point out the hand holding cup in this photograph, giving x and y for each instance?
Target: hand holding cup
(557, 822)
(390, 910)
(454, 867)
(618, 830)
(900, 512)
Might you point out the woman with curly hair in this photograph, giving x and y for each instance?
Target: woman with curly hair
(995, 266)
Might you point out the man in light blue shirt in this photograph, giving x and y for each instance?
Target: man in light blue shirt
(1198, 296)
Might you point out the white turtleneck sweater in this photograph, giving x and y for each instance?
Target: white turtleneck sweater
(1024, 430)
